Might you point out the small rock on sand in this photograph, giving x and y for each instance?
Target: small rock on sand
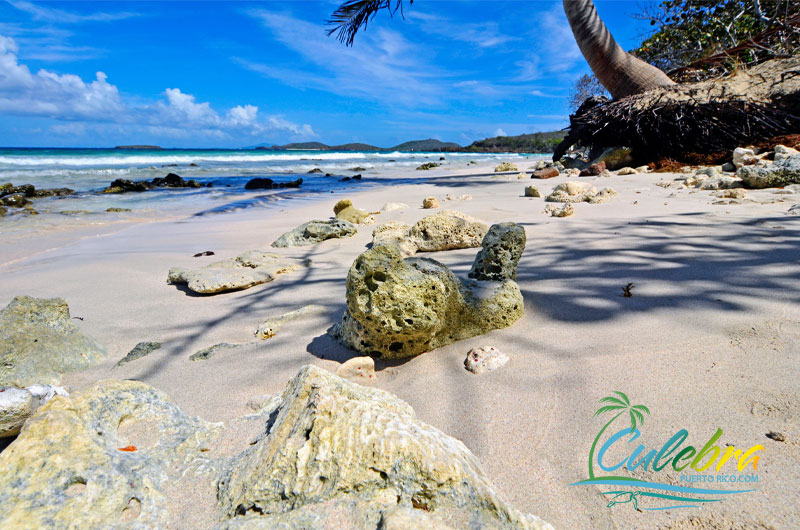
(357, 367)
(777, 436)
(268, 328)
(532, 191)
(546, 173)
(207, 353)
(564, 211)
(626, 171)
(506, 166)
(484, 359)
(392, 206)
(430, 202)
(140, 350)
(736, 193)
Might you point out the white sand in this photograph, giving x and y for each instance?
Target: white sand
(709, 339)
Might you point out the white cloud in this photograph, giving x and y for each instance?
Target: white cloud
(66, 97)
(483, 35)
(500, 132)
(384, 66)
(59, 15)
(557, 54)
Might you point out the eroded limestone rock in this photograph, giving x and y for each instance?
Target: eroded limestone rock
(142, 349)
(246, 270)
(16, 406)
(345, 455)
(327, 454)
(357, 368)
(400, 308)
(532, 191)
(506, 166)
(445, 230)
(39, 342)
(570, 192)
(430, 203)
(501, 249)
(785, 170)
(99, 457)
(315, 232)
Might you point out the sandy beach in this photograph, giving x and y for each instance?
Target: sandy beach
(709, 338)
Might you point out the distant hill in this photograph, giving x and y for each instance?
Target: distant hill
(148, 147)
(416, 145)
(540, 142)
(426, 145)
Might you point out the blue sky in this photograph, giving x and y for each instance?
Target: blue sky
(234, 74)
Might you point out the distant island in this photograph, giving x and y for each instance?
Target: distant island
(540, 142)
(148, 147)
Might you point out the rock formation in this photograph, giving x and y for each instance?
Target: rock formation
(39, 342)
(251, 268)
(445, 230)
(328, 454)
(315, 232)
(399, 308)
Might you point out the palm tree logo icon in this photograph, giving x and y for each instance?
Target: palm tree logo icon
(619, 404)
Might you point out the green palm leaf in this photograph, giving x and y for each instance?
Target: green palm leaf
(633, 420)
(607, 408)
(624, 397)
(642, 408)
(639, 415)
(612, 399)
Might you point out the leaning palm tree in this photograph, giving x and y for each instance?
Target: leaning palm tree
(620, 404)
(619, 72)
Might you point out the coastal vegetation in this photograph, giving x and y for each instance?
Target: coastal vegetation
(539, 142)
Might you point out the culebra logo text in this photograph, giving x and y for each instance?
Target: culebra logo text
(710, 474)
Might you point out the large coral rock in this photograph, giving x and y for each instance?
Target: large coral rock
(329, 454)
(315, 232)
(399, 308)
(99, 459)
(445, 230)
(39, 342)
(501, 249)
(251, 268)
(783, 172)
(352, 454)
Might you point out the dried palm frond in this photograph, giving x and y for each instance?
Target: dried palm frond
(353, 15)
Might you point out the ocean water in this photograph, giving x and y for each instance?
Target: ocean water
(89, 171)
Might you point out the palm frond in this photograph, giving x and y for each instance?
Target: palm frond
(639, 415)
(633, 421)
(642, 408)
(624, 397)
(353, 15)
(607, 408)
(612, 399)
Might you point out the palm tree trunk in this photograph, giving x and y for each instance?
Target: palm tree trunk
(619, 72)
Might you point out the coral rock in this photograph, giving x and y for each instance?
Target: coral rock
(484, 359)
(532, 191)
(501, 250)
(39, 342)
(244, 271)
(315, 232)
(345, 211)
(399, 308)
(506, 166)
(357, 367)
(445, 230)
(430, 202)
